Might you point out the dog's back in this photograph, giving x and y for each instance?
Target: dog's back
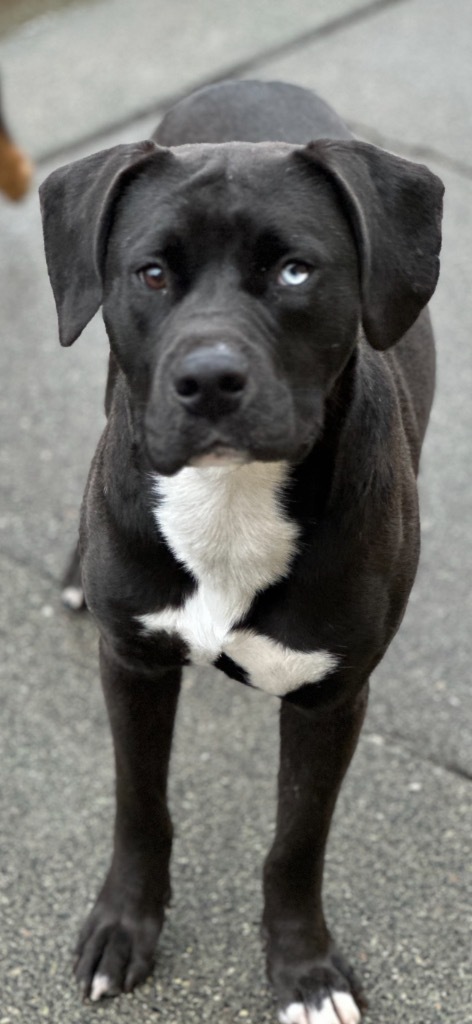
(250, 112)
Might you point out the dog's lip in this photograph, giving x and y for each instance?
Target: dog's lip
(219, 455)
(217, 452)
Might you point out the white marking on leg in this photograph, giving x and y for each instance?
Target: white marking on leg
(339, 1008)
(100, 986)
(274, 668)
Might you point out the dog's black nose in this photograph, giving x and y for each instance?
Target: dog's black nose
(211, 380)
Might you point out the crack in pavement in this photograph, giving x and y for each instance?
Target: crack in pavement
(397, 739)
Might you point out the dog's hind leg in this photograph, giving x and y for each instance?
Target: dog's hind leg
(117, 943)
(313, 983)
(72, 592)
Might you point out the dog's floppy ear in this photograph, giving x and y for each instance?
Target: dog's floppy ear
(77, 204)
(394, 207)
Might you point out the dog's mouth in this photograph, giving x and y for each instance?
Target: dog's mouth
(219, 455)
(267, 431)
(224, 455)
(169, 458)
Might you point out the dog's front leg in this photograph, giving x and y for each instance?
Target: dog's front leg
(117, 943)
(313, 984)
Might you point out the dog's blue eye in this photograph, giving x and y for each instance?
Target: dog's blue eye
(294, 273)
(154, 277)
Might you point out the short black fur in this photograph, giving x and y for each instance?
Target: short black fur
(240, 178)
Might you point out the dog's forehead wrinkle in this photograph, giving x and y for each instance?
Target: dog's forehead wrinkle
(215, 193)
(229, 167)
(238, 222)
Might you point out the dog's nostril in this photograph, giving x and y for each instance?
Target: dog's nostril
(232, 383)
(187, 387)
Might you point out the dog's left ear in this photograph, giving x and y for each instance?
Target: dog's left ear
(77, 203)
(394, 208)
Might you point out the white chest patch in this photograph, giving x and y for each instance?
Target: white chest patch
(227, 527)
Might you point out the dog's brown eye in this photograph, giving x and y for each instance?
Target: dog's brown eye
(294, 272)
(154, 277)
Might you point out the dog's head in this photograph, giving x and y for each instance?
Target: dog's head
(234, 279)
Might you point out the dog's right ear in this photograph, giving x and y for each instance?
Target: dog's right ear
(394, 209)
(77, 203)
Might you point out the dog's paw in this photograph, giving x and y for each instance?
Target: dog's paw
(72, 592)
(73, 598)
(337, 1008)
(317, 990)
(115, 952)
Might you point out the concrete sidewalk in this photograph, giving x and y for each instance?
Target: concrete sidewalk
(78, 77)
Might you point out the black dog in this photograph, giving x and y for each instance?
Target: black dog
(252, 503)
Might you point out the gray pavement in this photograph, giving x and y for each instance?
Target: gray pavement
(78, 77)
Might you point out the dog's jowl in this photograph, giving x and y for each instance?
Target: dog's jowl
(252, 502)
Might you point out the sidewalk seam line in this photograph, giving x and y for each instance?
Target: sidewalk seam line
(416, 151)
(370, 9)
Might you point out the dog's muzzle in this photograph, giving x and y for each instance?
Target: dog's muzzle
(218, 401)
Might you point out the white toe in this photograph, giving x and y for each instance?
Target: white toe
(293, 1014)
(100, 986)
(339, 1009)
(346, 1008)
(73, 597)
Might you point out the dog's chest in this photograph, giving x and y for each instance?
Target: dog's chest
(228, 528)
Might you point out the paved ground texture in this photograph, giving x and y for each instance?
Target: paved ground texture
(78, 77)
